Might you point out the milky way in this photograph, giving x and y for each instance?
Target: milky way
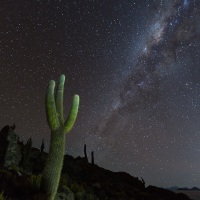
(157, 69)
(177, 28)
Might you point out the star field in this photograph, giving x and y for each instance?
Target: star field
(135, 65)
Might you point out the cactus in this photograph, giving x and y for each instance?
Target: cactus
(143, 182)
(59, 127)
(26, 154)
(85, 152)
(92, 157)
(13, 127)
(42, 146)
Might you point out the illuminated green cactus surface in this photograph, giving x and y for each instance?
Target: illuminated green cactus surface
(59, 127)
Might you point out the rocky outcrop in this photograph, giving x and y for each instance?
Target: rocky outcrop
(15, 154)
(10, 153)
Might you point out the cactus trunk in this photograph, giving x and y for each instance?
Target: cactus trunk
(53, 168)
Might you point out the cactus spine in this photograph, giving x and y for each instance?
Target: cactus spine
(59, 127)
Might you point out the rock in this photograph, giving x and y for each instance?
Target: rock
(12, 151)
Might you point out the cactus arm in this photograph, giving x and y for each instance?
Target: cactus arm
(51, 113)
(59, 98)
(72, 114)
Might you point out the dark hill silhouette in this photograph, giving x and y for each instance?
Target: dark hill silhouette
(190, 189)
(80, 179)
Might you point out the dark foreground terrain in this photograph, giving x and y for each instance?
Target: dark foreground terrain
(21, 168)
(81, 180)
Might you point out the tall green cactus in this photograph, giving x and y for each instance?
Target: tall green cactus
(59, 127)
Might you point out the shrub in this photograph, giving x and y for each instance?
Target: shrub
(35, 180)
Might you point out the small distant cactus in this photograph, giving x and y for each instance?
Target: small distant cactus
(85, 152)
(143, 182)
(59, 127)
(92, 157)
(26, 154)
(13, 127)
(42, 146)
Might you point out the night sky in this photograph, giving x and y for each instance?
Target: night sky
(135, 65)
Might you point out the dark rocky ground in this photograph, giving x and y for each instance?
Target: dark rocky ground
(20, 176)
(81, 180)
